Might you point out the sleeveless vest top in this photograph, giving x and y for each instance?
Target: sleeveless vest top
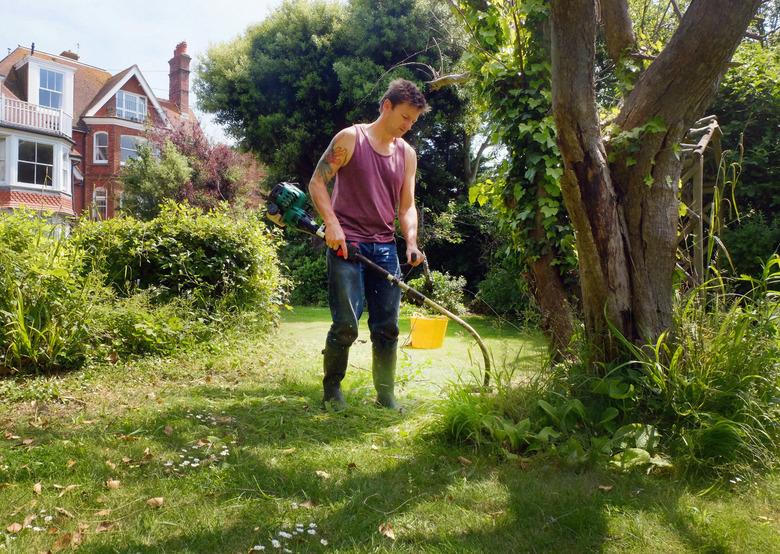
(367, 191)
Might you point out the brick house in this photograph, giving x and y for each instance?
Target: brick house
(67, 128)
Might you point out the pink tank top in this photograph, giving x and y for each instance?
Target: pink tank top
(367, 191)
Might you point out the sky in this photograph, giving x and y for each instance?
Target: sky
(114, 35)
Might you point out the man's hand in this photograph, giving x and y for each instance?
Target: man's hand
(414, 256)
(335, 238)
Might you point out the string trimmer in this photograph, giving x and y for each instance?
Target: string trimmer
(286, 206)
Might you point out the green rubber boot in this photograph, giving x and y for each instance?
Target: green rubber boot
(335, 367)
(383, 369)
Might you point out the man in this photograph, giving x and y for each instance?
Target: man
(374, 170)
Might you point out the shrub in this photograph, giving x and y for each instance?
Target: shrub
(213, 259)
(442, 288)
(135, 325)
(44, 303)
(306, 268)
(504, 292)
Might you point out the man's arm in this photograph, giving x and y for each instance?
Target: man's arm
(338, 153)
(407, 211)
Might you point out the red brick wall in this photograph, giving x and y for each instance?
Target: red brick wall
(37, 201)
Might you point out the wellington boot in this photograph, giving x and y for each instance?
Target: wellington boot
(383, 370)
(335, 367)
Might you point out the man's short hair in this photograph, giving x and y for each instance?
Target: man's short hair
(401, 90)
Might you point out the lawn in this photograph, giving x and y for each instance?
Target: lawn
(225, 449)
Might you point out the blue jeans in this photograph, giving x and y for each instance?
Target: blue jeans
(352, 288)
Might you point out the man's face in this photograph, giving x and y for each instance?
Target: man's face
(401, 117)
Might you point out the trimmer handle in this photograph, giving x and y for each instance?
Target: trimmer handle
(352, 250)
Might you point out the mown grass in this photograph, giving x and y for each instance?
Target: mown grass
(247, 407)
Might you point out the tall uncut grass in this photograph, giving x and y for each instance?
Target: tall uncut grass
(705, 398)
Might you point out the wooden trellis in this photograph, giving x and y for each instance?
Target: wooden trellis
(696, 191)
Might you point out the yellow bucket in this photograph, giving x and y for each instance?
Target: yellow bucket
(427, 332)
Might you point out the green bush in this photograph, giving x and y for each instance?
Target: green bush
(306, 268)
(135, 325)
(44, 303)
(213, 259)
(504, 292)
(749, 242)
(442, 288)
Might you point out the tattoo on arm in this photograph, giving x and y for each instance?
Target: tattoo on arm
(331, 161)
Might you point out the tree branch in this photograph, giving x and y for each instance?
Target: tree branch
(703, 44)
(448, 80)
(618, 30)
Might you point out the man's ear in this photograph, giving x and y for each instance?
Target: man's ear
(386, 105)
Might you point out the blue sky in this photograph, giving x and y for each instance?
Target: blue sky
(114, 35)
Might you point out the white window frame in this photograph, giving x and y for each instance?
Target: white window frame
(51, 91)
(3, 158)
(96, 148)
(126, 113)
(99, 202)
(35, 164)
(126, 150)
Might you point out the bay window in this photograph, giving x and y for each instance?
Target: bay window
(2, 160)
(128, 147)
(36, 163)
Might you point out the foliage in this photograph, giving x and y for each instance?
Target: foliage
(750, 240)
(703, 398)
(219, 173)
(213, 259)
(311, 68)
(442, 288)
(509, 59)
(44, 304)
(306, 268)
(504, 292)
(149, 180)
(137, 325)
(749, 115)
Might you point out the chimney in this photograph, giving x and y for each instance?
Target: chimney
(69, 54)
(179, 77)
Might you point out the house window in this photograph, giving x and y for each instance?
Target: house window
(100, 152)
(50, 93)
(65, 171)
(128, 147)
(100, 203)
(36, 163)
(2, 159)
(130, 106)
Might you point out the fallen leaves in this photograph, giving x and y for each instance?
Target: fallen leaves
(156, 502)
(110, 464)
(386, 529)
(168, 430)
(37, 488)
(64, 512)
(606, 488)
(64, 489)
(322, 474)
(464, 461)
(113, 484)
(104, 526)
(14, 528)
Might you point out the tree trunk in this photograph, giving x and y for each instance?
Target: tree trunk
(624, 212)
